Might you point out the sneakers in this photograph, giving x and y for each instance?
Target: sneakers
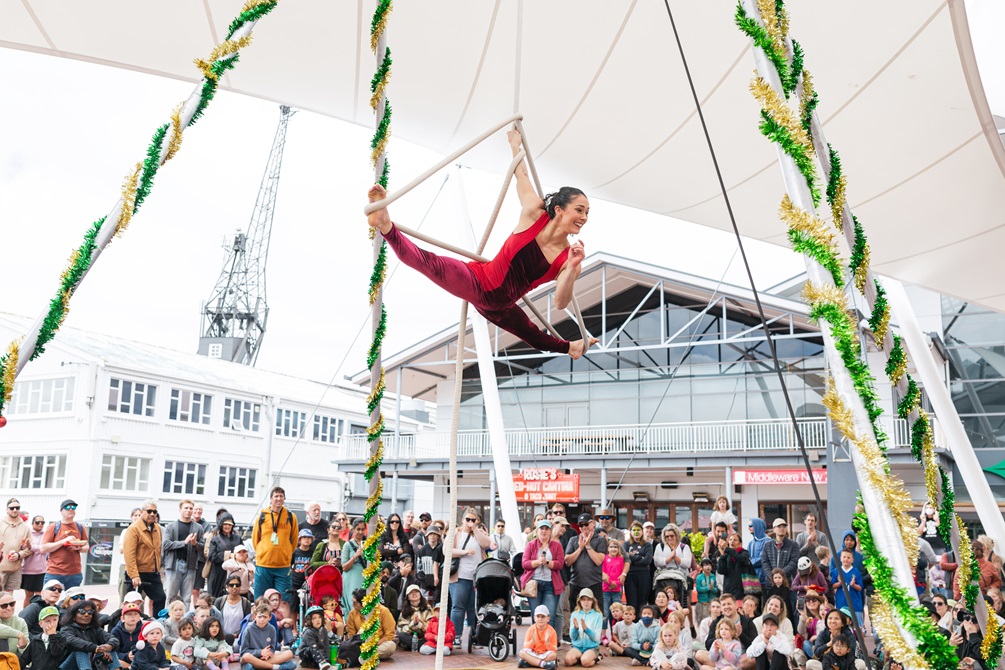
(523, 664)
(548, 665)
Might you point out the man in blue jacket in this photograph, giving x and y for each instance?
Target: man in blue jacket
(756, 545)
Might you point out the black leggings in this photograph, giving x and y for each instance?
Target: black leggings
(632, 652)
(312, 657)
(637, 588)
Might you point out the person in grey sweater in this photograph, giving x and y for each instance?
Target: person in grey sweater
(260, 644)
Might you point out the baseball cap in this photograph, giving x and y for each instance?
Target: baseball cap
(434, 530)
(306, 533)
(649, 524)
(585, 517)
(68, 501)
(769, 617)
(804, 563)
(425, 516)
(51, 583)
(542, 609)
(48, 612)
(133, 596)
(130, 607)
(413, 587)
(240, 547)
(543, 523)
(779, 522)
(560, 520)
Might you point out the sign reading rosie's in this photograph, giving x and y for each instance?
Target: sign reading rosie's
(546, 485)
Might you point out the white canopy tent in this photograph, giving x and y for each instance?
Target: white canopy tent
(607, 106)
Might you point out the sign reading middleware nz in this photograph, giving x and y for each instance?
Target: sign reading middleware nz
(546, 485)
(778, 476)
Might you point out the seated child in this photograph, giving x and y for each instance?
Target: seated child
(281, 610)
(621, 634)
(315, 648)
(260, 643)
(183, 649)
(645, 634)
(668, 654)
(540, 646)
(432, 631)
(333, 619)
(150, 654)
(839, 656)
(726, 650)
(211, 645)
(176, 612)
(127, 632)
(45, 650)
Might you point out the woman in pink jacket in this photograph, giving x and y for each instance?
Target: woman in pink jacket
(543, 559)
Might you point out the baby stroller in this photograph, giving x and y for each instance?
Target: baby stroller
(325, 581)
(493, 591)
(522, 603)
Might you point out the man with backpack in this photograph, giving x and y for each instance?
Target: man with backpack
(274, 536)
(65, 541)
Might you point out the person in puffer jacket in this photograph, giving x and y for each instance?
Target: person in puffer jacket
(86, 639)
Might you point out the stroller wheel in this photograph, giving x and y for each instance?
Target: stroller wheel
(498, 647)
(519, 620)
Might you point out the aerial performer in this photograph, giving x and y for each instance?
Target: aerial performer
(537, 252)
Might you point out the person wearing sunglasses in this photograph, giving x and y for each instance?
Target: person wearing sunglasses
(15, 546)
(141, 550)
(470, 544)
(84, 638)
(14, 631)
(65, 541)
(49, 594)
(33, 569)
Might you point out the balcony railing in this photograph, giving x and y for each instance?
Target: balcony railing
(666, 438)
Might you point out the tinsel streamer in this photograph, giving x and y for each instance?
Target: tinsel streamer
(769, 15)
(756, 32)
(378, 275)
(877, 471)
(991, 646)
(136, 188)
(776, 107)
(894, 644)
(222, 50)
(809, 235)
(783, 18)
(379, 22)
(808, 98)
(948, 509)
(896, 363)
(373, 400)
(380, 79)
(967, 568)
(911, 400)
(9, 365)
(776, 132)
(929, 464)
(373, 464)
(378, 339)
(837, 186)
(860, 256)
(931, 644)
(378, 145)
(879, 321)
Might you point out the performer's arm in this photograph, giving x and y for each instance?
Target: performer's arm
(531, 204)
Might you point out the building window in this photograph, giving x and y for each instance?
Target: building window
(241, 415)
(131, 397)
(184, 478)
(33, 472)
(125, 473)
(327, 429)
(42, 396)
(290, 423)
(236, 482)
(215, 350)
(191, 406)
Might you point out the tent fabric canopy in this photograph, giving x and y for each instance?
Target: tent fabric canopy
(607, 106)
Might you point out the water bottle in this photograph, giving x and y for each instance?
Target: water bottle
(415, 642)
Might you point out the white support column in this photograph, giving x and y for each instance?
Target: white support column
(492, 499)
(963, 452)
(394, 491)
(603, 488)
(729, 481)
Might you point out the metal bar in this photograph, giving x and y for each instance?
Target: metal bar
(380, 204)
(583, 333)
(443, 245)
(518, 122)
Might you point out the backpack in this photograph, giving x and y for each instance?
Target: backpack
(289, 520)
(9, 661)
(55, 534)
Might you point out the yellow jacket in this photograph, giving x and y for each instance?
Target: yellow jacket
(284, 525)
(354, 623)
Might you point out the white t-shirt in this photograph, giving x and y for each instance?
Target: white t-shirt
(469, 563)
(542, 573)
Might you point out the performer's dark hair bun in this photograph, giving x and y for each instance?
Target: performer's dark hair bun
(560, 198)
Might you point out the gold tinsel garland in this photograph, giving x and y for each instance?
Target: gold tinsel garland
(175, 143)
(10, 369)
(929, 463)
(819, 294)
(963, 572)
(221, 50)
(894, 644)
(781, 113)
(890, 488)
(879, 333)
(799, 219)
(992, 637)
(378, 390)
(776, 29)
(128, 200)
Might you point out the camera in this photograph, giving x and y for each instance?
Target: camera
(964, 615)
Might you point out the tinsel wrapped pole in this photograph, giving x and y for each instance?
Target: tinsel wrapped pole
(136, 187)
(852, 400)
(378, 156)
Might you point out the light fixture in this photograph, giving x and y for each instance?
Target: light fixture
(699, 496)
(640, 496)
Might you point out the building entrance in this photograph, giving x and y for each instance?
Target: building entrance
(688, 516)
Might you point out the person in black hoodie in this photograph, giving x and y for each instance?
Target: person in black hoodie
(734, 562)
(45, 650)
(49, 595)
(86, 640)
(839, 656)
(224, 540)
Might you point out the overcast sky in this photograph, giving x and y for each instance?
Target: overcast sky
(73, 130)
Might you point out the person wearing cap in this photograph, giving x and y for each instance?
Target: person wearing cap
(299, 563)
(770, 650)
(429, 562)
(127, 632)
(241, 566)
(48, 596)
(585, 627)
(605, 519)
(502, 545)
(150, 653)
(15, 546)
(45, 650)
(809, 578)
(221, 547)
(402, 578)
(540, 645)
(782, 553)
(64, 541)
(419, 536)
(584, 554)
(470, 543)
(811, 538)
(543, 559)
(182, 545)
(141, 549)
(413, 620)
(14, 631)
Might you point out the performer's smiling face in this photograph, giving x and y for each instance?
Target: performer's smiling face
(573, 217)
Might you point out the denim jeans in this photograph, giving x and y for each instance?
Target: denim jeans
(273, 578)
(462, 593)
(610, 597)
(68, 581)
(288, 665)
(546, 596)
(81, 660)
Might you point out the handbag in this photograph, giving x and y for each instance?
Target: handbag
(530, 589)
(455, 563)
(751, 584)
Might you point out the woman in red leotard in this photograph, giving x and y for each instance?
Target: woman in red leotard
(537, 252)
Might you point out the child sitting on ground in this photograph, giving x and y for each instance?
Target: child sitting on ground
(211, 645)
(176, 612)
(150, 654)
(432, 630)
(315, 648)
(726, 650)
(669, 654)
(645, 633)
(259, 644)
(540, 646)
(839, 656)
(127, 632)
(46, 650)
(621, 631)
(183, 649)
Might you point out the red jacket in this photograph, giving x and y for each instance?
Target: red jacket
(431, 632)
(531, 553)
(989, 578)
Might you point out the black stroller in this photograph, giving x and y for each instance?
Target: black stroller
(493, 598)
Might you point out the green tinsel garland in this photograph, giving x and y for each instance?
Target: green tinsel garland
(947, 510)
(779, 134)
(911, 399)
(379, 273)
(919, 430)
(897, 361)
(972, 591)
(150, 166)
(795, 72)
(818, 251)
(382, 128)
(210, 85)
(378, 339)
(756, 32)
(931, 644)
(994, 649)
(248, 15)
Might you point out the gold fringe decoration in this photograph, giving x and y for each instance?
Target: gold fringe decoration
(378, 494)
(772, 25)
(175, 144)
(251, 4)
(928, 462)
(10, 371)
(966, 556)
(799, 219)
(992, 634)
(816, 294)
(890, 487)
(780, 111)
(862, 271)
(128, 200)
(379, 29)
(894, 643)
(378, 389)
(379, 150)
(376, 427)
(378, 92)
(221, 50)
(879, 334)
